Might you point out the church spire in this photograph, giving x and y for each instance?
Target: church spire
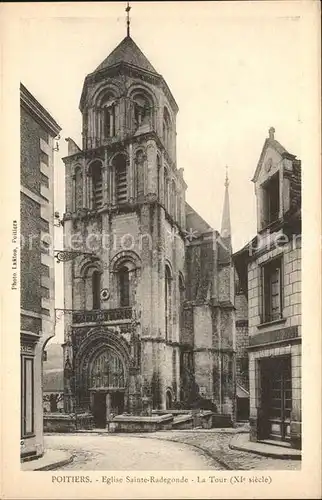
(127, 10)
(225, 222)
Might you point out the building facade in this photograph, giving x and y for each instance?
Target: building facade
(38, 130)
(270, 268)
(148, 288)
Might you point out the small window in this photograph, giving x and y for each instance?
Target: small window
(272, 291)
(271, 200)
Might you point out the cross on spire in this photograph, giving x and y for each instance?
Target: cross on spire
(225, 221)
(127, 10)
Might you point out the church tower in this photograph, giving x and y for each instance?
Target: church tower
(123, 228)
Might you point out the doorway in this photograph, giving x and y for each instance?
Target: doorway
(276, 398)
(99, 409)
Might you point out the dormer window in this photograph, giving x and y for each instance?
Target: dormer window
(271, 199)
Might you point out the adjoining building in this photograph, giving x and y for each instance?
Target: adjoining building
(149, 288)
(38, 130)
(269, 268)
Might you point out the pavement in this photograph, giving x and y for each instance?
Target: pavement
(195, 449)
(125, 452)
(52, 459)
(241, 442)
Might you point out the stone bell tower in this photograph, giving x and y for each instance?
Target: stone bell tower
(125, 206)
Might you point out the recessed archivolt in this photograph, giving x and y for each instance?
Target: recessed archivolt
(95, 162)
(98, 339)
(87, 266)
(125, 256)
(139, 88)
(103, 90)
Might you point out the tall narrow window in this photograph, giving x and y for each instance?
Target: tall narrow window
(109, 121)
(272, 290)
(120, 178)
(96, 288)
(271, 199)
(124, 286)
(97, 185)
(167, 302)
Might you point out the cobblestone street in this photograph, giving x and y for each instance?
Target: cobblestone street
(108, 452)
(167, 450)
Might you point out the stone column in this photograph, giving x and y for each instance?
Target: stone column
(105, 184)
(131, 181)
(108, 406)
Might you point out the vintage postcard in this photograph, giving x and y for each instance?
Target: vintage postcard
(161, 300)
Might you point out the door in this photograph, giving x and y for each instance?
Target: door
(276, 398)
(117, 402)
(99, 410)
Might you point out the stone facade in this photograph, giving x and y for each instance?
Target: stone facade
(38, 130)
(272, 278)
(142, 322)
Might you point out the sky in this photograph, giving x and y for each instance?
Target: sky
(234, 69)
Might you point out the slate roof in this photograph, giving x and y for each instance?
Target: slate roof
(127, 51)
(195, 222)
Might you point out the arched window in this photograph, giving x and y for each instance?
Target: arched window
(167, 301)
(166, 129)
(142, 106)
(97, 182)
(96, 289)
(109, 115)
(120, 169)
(124, 286)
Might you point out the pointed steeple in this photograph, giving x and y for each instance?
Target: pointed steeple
(127, 52)
(225, 221)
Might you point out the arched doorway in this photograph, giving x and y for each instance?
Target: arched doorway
(107, 385)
